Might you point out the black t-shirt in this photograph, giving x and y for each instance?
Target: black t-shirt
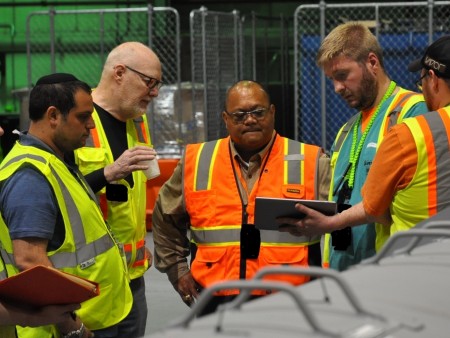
(116, 132)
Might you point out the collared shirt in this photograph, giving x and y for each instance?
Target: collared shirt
(250, 171)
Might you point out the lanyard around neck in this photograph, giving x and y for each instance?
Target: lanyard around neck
(355, 151)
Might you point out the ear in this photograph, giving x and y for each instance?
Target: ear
(119, 70)
(225, 118)
(53, 115)
(434, 80)
(373, 63)
(272, 109)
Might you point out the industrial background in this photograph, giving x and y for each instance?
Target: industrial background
(205, 46)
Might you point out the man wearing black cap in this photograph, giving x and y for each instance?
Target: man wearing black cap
(50, 216)
(409, 179)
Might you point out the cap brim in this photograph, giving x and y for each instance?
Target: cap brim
(415, 66)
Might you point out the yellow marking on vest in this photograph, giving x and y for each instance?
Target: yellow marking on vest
(217, 244)
(270, 244)
(217, 227)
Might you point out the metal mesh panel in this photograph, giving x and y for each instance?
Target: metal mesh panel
(226, 48)
(78, 42)
(215, 63)
(268, 41)
(403, 30)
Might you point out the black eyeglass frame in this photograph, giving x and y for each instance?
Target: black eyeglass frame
(147, 79)
(241, 116)
(419, 82)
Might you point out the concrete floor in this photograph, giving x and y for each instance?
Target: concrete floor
(164, 303)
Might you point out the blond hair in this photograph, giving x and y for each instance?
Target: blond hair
(351, 39)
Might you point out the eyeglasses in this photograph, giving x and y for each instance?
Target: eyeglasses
(241, 116)
(151, 82)
(419, 82)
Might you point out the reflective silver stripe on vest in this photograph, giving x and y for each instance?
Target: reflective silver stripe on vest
(441, 142)
(344, 132)
(3, 274)
(83, 254)
(226, 236)
(84, 251)
(393, 115)
(137, 125)
(293, 162)
(293, 159)
(204, 163)
(20, 157)
(89, 141)
(140, 255)
(8, 258)
(218, 235)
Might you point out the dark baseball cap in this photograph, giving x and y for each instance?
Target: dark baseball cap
(436, 57)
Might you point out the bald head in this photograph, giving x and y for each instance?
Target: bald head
(132, 54)
(245, 86)
(129, 80)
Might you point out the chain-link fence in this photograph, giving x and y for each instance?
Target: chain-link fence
(267, 58)
(227, 47)
(78, 42)
(215, 62)
(403, 30)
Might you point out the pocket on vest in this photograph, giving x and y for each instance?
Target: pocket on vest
(201, 208)
(284, 255)
(210, 264)
(294, 256)
(90, 159)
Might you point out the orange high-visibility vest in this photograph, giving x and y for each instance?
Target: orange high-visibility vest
(213, 203)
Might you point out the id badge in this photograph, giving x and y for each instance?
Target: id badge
(344, 194)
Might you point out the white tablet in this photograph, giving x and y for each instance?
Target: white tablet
(267, 210)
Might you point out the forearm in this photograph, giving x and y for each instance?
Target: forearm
(96, 180)
(15, 314)
(353, 216)
(29, 252)
(10, 315)
(171, 242)
(170, 228)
